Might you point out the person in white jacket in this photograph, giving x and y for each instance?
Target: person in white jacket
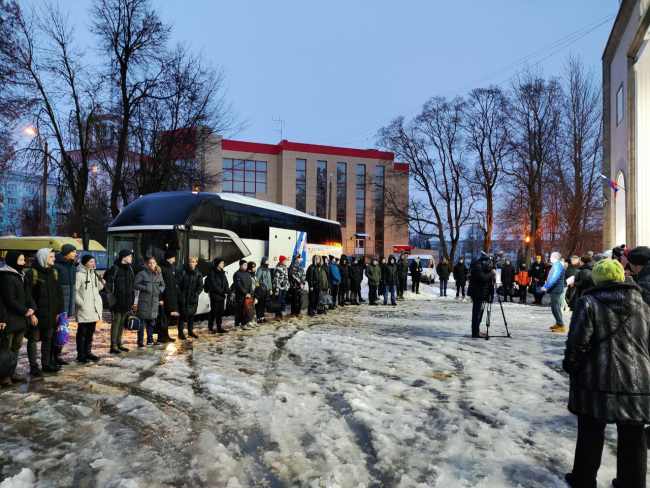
(89, 307)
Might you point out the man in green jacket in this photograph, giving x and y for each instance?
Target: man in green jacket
(373, 272)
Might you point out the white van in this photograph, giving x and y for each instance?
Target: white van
(428, 267)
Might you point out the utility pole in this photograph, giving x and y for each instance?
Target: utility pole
(280, 128)
(44, 226)
(329, 205)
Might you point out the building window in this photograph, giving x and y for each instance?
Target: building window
(379, 210)
(12, 187)
(321, 189)
(341, 177)
(12, 201)
(244, 177)
(619, 105)
(301, 185)
(361, 198)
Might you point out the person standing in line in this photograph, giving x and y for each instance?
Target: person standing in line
(281, 285)
(266, 285)
(89, 307)
(443, 274)
(335, 276)
(244, 289)
(382, 286)
(314, 280)
(571, 271)
(460, 276)
(324, 272)
(325, 266)
(482, 276)
(523, 280)
(64, 264)
(218, 288)
(19, 307)
(582, 281)
(257, 293)
(150, 285)
(344, 286)
(373, 272)
(44, 287)
(554, 286)
(348, 294)
(538, 276)
(638, 260)
(297, 283)
(508, 281)
(169, 296)
(190, 286)
(402, 275)
(608, 361)
(356, 275)
(416, 275)
(120, 280)
(391, 278)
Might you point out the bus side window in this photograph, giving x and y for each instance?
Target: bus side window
(237, 219)
(200, 248)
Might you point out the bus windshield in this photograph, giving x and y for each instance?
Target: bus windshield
(101, 258)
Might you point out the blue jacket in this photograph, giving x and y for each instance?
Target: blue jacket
(68, 279)
(334, 274)
(555, 282)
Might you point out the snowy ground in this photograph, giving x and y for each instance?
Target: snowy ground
(364, 396)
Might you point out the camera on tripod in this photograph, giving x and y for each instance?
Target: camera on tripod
(491, 263)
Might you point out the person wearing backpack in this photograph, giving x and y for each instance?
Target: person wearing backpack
(44, 287)
(297, 281)
(216, 284)
(150, 284)
(373, 272)
(190, 286)
(64, 264)
(120, 281)
(89, 307)
(608, 361)
(169, 296)
(280, 284)
(19, 306)
(265, 281)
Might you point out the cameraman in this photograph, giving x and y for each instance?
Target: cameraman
(481, 285)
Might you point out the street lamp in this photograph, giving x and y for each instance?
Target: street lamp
(527, 239)
(329, 206)
(34, 132)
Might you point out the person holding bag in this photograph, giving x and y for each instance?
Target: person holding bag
(190, 286)
(217, 286)
(89, 307)
(265, 281)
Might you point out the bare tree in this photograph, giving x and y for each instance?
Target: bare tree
(134, 38)
(486, 127)
(434, 148)
(534, 108)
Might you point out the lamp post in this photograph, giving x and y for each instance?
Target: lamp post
(44, 227)
(329, 206)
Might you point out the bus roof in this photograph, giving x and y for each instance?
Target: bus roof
(8, 243)
(164, 209)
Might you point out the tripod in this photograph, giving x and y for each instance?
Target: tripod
(488, 306)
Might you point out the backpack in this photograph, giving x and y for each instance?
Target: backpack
(230, 301)
(131, 322)
(34, 274)
(8, 360)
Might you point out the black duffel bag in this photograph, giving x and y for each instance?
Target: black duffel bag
(8, 359)
(274, 306)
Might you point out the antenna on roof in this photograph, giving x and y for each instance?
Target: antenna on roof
(280, 128)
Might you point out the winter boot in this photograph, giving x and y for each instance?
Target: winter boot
(576, 483)
(190, 332)
(56, 356)
(17, 378)
(114, 350)
(81, 355)
(51, 368)
(89, 354)
(221, 330)
(35, 371)
(181, 336)
(559, 329)
(122, 348)
(554, 326)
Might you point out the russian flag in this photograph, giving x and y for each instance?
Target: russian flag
(612, 184)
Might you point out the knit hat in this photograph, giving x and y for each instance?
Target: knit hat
(124, 253)
(217, 260)
(597, 257)
(608, 270)
(618, 251)
(282, 259)
(639, 256)
(86, 258)
(67, 249)
(251, 264)
(242, 261)
(170, 254)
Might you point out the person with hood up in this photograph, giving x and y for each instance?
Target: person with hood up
(89, 307)
(373, 272)
(297, 281)
(554, 286)
(314, 282)
(416, 275)
(325, 266)
(335, 277)
(64, 264)
(265, 281)
(43, 285)
(390, 277)
(582, 280)
(508, 281)
(571, 271)
(402, 276)
(608, 361)
(443, 274)
(382, 286)
(120, 281)
(460, 276)
(150, 285)
(218, 288)
(523, 280)
(19, 307)
(538, 276)
(356, 276)
(251, 268)
(169, 296)
(190, 286)
(244, 289)
(281, 284)
(344, 286)
(638, 260)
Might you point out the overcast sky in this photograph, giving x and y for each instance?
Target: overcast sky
(337, 70)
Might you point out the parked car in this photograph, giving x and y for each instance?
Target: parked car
(428, 267)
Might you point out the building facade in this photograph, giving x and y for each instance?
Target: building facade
(337, 183)
(20, 204)
(626, 119)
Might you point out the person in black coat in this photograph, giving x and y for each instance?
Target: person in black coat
(608, 360)
(190, 286)
(390, 276)
(582, 279)
(120, 280)
(460, 276)
(480, 283)
(416, 275)
(19, 306)
(64, 263)
(443, 273)
(314, 281)
(44, 287)
(538, 277)
(508, 280)
(169, 296)
(639, 263)
(244, 289)
(218, 287)
(382, 286)
(344, 271)
(356, 276)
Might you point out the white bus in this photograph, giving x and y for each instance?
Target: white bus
(210, 225)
